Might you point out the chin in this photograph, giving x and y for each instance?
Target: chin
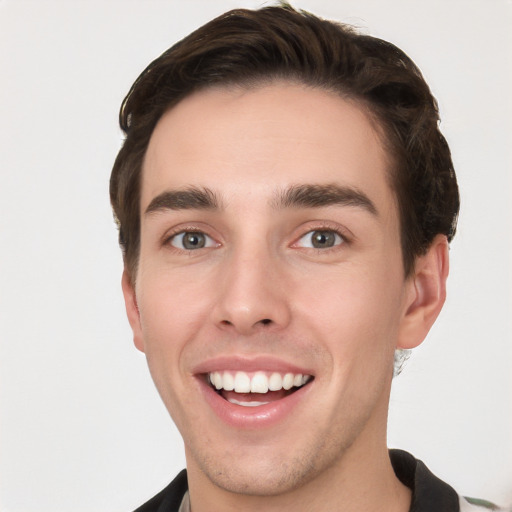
(259, 479)
(268, 472)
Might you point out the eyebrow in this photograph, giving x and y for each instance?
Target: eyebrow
(317, 196)
(192, 198)
(295, 196)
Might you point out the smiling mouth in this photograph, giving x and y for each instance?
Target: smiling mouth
(254, 389)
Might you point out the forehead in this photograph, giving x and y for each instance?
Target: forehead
(263, 139)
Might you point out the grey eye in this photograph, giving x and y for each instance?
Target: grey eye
(190, 240)
(320, 239)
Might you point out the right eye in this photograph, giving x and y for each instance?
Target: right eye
(191, 240)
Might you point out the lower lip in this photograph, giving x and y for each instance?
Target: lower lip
(262, 416)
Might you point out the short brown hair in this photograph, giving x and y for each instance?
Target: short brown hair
(246, 47)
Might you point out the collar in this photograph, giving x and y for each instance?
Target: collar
(428, 492)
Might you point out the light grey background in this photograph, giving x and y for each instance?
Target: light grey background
(82, 427)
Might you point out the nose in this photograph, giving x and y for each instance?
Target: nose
(252, 294)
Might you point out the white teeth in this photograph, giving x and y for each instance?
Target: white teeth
(275, 383)
(258, 382)
(242, 382)
(228, 381)
(246, 404)
(217, 380)
(288, 381)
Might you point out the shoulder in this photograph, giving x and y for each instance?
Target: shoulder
(475, 505)
(428, 491)
(168, 499)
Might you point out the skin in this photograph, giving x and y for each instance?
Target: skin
(259, 288)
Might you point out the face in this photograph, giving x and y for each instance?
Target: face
(270, 290)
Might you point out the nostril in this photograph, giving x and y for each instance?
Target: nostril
(241, 324)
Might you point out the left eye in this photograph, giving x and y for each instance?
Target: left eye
(321, 239)
(191, 240)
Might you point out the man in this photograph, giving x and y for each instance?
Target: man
(285, 202)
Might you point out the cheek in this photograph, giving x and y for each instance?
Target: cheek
(169, 320)
(171, 296)
(172, 311)
(355, 311)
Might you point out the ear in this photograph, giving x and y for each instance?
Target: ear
(132, 310)
(426, 293)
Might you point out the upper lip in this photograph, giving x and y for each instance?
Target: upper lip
(249, 364)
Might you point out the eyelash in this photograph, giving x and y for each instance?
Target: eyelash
(322, 228)
(168, 239)
(345, 239)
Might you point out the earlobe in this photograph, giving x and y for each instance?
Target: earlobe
(426, 294)
(132, 310)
